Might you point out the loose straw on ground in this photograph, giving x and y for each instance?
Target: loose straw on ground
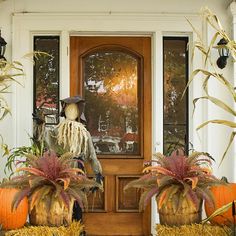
(195, 229)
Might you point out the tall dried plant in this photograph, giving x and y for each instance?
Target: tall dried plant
(213, 73)
(12, 72)
(9, 73)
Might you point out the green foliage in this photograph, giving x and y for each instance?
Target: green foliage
(213, 73)
(50, 176)
(176, 177)
(17, 156)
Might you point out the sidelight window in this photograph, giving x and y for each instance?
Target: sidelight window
(175, 78)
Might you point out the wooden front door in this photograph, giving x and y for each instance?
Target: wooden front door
(113, 74)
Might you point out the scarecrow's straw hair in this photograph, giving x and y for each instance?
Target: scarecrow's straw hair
(72, 135)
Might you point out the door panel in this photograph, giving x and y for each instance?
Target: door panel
(114, 76)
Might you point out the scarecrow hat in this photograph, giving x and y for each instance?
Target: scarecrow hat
(80, 103)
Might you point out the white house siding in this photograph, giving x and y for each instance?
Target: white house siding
(19, 19)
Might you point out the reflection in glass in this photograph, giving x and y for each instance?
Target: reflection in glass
(174, 137)
(111, 95)
(175, 108)
(46, 78)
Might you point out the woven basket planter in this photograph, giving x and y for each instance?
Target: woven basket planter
(185, 214)
(51, 213)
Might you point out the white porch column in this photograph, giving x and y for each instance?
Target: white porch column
(232, 9)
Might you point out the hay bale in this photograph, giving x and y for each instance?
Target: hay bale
(194, 229)
(73, 230)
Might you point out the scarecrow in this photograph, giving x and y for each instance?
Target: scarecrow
(71, 135)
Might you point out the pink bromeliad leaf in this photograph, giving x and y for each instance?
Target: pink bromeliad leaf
(194, 181)
(159, 169)
(32, 170)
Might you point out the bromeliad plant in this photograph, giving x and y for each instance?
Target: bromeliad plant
(52, 186)
(176, 179)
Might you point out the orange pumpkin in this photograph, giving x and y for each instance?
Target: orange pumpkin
(12, 219)
(223, 195)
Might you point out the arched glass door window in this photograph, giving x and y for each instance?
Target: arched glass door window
(111, 84)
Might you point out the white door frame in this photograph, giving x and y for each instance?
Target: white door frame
(155, 25)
